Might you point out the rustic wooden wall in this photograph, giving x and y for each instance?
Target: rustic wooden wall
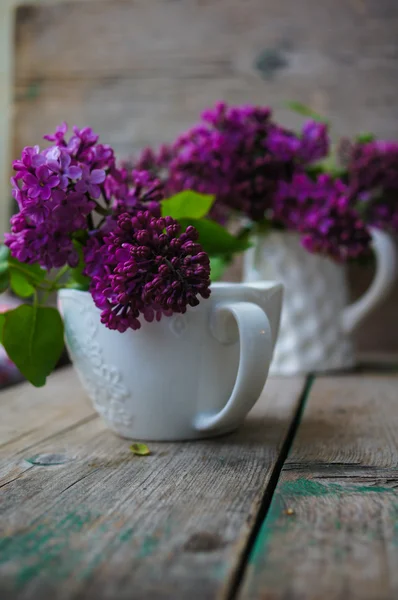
(140, 71)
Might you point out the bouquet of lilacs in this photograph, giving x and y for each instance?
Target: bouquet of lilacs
(84, 223)
(272, 178)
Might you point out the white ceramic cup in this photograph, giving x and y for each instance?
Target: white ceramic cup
(188, 376)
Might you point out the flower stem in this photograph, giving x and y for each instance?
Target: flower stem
(101, 210)
(60, 273)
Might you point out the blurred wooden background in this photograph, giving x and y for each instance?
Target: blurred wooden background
(140, 71)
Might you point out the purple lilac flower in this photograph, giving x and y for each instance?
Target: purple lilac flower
(133, 191)
(39, 184)
(102, 157)
(90, 181)
(129, 192)
(228, 157)
(56, 189)
(58, 136)
(238, 154)
(59, 161)
(373, 182)
(294, 199)
(320, 211)
(314, 142)
(282, 144)
(336, 231)
(148, 268)
(81, 142)
(30, 158)
(31, 244)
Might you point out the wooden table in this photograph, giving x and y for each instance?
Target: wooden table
(301, 503)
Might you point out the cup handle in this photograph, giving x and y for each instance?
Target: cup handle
(255, 356)
(386, 272)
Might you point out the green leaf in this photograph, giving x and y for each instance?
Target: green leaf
(218, 264)
(2, 321)
(328, 165)
(4, 281)
(187, 205)
(20, 284)
(305, 111)
(365, 137)
(77, 280)
(4, 274)
(140, 449)
(214, 239)
(23, 277)
(33, 273)
(33, 339)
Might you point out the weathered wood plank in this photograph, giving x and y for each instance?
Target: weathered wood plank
(108, 524)
(139, 72)
(331, 531)
(30, 415)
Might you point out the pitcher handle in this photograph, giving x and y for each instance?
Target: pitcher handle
(255, 356)
(386, 268)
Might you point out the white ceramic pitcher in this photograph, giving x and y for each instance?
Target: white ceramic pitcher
(316, 322)
(188, 376)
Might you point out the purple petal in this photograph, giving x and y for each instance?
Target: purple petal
(52, 181)
(73, 144)
(53, 165)
(30, 179)
(42, 173)
(74, 172)
(58, 196)
(52, 153)
(81, 186)
(34, 192)
(45, 192)
(63, 182)
(65, 160)
(97, 176)
(94, 191)
(38, 160)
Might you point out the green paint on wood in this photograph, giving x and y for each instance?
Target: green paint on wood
(148, 546)
(47, 548)
(308, 487)
(276, 522)
(125, 536)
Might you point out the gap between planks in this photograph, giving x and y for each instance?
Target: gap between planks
(232, 591)
(331, 530)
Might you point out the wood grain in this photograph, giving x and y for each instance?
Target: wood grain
(140, 72)
(331, 531)
(108, 524)
(30, 416)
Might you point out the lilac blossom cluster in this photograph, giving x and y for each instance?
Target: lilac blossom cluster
(240, 155)
(372, 173)
(320, 211)
(147, 267)
(56, 190)
(138, 263)
(260, 170)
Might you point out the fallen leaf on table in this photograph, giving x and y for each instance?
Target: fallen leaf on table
(140, 449)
